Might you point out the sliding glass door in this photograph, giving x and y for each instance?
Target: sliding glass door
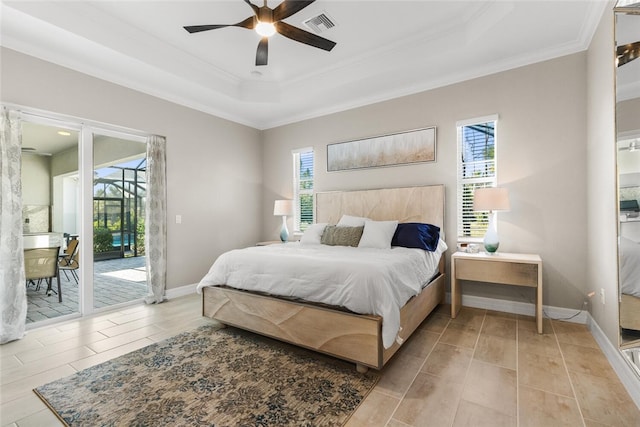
(84, 190)
(119, 190)
(51, 214)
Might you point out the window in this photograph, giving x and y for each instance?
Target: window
(476, 169)
(303, 188)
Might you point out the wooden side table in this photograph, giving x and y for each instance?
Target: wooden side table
(502, 268)
(270, 242)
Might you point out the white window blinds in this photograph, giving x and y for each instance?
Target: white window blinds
(303, 188)
(476, 169)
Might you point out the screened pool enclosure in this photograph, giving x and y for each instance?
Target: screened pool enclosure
(119, 193)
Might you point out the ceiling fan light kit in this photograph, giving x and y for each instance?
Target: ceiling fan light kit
(627, 53)
(267, 22)
(265, 29)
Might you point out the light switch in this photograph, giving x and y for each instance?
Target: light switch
(178, 219)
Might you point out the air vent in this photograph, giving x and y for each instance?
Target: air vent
(320, 23)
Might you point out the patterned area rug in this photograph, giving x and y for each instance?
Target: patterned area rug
(211, 377)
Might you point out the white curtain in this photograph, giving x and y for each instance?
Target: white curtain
(13, 293)
(156, 220)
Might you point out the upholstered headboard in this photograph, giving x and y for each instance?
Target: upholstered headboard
(406, 204)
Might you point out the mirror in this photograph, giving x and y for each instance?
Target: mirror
(627, 34)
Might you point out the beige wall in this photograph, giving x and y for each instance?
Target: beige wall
(106, 150)
(214, 167)
(36, 180)
(628, 115)
(602, 219)
(541, 155)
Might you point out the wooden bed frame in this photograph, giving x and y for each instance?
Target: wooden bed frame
(630, 312)
(334, 331)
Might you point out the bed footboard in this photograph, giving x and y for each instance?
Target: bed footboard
(630, 312)
(348, 336)
(342, 334)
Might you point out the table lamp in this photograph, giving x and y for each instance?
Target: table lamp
(283, 208)
(491, 199)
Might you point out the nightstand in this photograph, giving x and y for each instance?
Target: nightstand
(501, 268)
(270, 242)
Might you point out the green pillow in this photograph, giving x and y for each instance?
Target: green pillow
(341, 236)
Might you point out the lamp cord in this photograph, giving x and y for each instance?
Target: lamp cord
(561, 318)
(545, 314)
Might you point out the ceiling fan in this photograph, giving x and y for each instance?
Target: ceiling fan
(267, 22)
(627, 53)
(634, 145)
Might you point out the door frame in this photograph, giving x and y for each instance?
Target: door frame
(86, 130)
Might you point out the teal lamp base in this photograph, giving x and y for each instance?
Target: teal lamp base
(284, 233)
(491, 241)
(491, 248)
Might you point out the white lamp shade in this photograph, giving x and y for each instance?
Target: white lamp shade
(283, 208)
(491, 199)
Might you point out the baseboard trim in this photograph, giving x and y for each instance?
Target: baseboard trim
(623, 369)
(625, 372)
(181, 291)
(523, 308)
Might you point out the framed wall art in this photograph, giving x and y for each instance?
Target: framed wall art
(402, 148)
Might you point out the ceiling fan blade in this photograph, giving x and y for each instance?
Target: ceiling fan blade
(627, 53)
(303, 36)
(253, 6)
(197, 28)
(263, 51)
(249, 23)
(288, 8)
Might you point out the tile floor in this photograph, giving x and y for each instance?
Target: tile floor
(108, 289)
(483, 368)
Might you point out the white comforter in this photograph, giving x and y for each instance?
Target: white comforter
(629, 267)
(365, 281)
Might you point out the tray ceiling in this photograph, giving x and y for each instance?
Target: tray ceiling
(385, 49)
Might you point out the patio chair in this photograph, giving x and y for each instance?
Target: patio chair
(71, 265)
(67, 256)
(66, 259)
(42, 264)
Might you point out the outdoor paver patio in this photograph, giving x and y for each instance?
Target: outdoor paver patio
(115, 281)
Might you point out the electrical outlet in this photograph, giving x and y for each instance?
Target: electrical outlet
(602, 295)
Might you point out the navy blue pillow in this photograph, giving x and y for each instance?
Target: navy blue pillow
(416, 235)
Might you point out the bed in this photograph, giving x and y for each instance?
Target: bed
(330, 329)
(629, 284)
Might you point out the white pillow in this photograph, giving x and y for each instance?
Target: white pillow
(351, 221)
(377, 234)
(441, 248)
(313, 234)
